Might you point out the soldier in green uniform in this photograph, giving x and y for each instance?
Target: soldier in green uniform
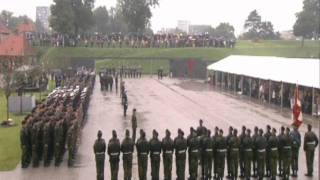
(180, 146)
(24, 145)
(215, 158)
(228, 152)
(71, 142)
(193, 154)
(255, 152)
(46, 136)
(234, 145)
(247, 146)
(287, 147)
(142, 146)
(35, 144)
(58, 143)
(310, 144)
(127, 148)
(241, 159)
(268, 166)
(207, 150)
(114, 154)
(260, 146)
(99, 149)
(280, 150)
(167, 146)
(273, 147)
(155, 151)
(221, 145)
(134, 124)
(201, 132)
(296, 143)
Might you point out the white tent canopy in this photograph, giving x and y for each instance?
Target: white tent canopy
(300, 71)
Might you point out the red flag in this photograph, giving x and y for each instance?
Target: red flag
(296, 111)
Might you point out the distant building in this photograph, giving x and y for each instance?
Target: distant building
(42, 15)
(199, 29)
(287, 35)
(184, 26)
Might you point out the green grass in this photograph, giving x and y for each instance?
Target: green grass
(10, 151)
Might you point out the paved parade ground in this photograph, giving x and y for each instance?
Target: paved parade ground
(169, 103)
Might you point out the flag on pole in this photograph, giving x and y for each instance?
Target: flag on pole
(296, 111)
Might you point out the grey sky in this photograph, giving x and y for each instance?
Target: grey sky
(280, 12)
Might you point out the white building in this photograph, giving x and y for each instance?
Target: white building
(42, 15)
(184, 25)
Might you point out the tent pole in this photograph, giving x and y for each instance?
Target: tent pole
(313, 102)
(259, 93)
(270, 92)
(281, 95)
(234, 83)
(250, 81)
(216, 79)
(222, 81)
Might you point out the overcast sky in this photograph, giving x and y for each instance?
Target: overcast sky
(280, 12)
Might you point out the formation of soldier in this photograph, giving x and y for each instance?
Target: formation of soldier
(53, 126)
(256, 155)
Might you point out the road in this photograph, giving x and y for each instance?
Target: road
(166, 104)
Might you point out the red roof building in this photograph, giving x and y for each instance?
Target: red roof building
(26, 27)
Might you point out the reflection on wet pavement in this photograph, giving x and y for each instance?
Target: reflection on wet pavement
(167, 104)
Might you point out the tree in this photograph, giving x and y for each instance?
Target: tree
(101, 19)
(62, 17)
(257, 29)
(83, 16)
(307, 24)
(226, 30)
(137, 13)
(12, 22)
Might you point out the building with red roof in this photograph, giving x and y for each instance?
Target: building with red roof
(4, 32)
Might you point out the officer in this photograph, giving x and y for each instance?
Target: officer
(241, 162)
(267, 136)
(260, 146)
(255, 151)
(234, 145)
(273, 146)
(215, 157)
(247, 146)
(296, 143)
(180, 146)
(155, 151)
(221, 145)
(167, 146)
(99, 149)
(280, 150)
(142, 146)
(134, 124)
(24, 145)
(127, 147)
(114, 154)
(310, 144)
(287, 147)
(193, 152)
(207, 152)
(228, 152)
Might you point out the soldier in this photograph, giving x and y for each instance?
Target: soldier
(116, 82)
(180, 146)
(24, 144)
(114, 154)
(35, 144)
(296, 143)
(142, 146)
(215, 158)
(207, 149)
(46, 136)
(71, 142)
(125, 103)
(228, 152)
(234, 145)
(287, 146)
(155, 150)
(273, 146)
(247, 146)
(241, 162)
(310, 144)
(260, 146)
(255, 152)
(127, 150)
(134, 124)
(99, 149)
(58, 142)
(221, 145)
(201, 132)
(167, 146)
(268, 166)
(280, 150)
(193, 152)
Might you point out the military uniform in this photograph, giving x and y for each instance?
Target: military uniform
(201, 132)
(268, 151)
(24, 146)
(228, 153)
(255, 152)
(127, 150)
(234, 145)
(134, 125)
(167, 151)
(142, 146)
(71, 142)
(193, 152)
(155, 151)
(114, 154)
(35, 144)
(260, 146)
(241, 159)
(296, 143)
(99, 149)
(58, 143)
(221, 145)
(207, 149)
(215, 157)
(180, 145)
(280, 151)
(287, 147)
(273, 146)
(46, 137)
(309, 146)
(247, 146)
